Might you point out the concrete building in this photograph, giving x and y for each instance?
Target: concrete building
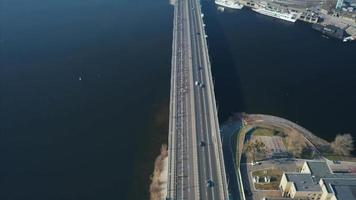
(316, 181)
(339, 4)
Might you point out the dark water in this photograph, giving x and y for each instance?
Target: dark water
(263, 65)
(94, 138)
(84, 89)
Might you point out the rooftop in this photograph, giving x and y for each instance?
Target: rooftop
(341, 184)
(303, 182)
(319, 169)
(342, 188)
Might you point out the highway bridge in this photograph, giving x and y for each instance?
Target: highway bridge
(195, 160)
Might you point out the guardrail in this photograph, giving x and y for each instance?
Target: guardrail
(171, 135)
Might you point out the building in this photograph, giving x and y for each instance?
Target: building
(316, 181)
(339, 4)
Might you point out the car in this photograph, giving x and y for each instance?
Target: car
(198, 33)
(336, 162)
(202, 143)
(197, 83)
(255, 163)
(209, 183)
(201, 85)
(200, 68)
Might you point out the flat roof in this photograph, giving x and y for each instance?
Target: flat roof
(303, 182)
(345, 192)
(342, 188)
(319, 169)
(343, 185)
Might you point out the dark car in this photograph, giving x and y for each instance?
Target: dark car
(209, 183)
(336, 162)
(202, 143)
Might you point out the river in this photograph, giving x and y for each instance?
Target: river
(84, 89)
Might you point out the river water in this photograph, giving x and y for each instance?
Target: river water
(84, 89)
(264, 65)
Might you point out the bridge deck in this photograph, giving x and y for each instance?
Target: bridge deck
(193, 114)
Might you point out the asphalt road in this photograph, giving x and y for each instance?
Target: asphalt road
(227, 132)
(193, 116)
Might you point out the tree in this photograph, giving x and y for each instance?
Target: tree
(296, 143)
(259, 146)
(343, 145)
(254, 146)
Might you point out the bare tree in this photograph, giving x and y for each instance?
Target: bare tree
(259, 146)
(343, 144)
(254, 146)
(296, 143)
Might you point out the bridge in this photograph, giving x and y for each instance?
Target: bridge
(195, 160)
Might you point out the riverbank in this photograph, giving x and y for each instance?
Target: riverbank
(318, 147)
(271, 156)
(334, 23)
(158, 186)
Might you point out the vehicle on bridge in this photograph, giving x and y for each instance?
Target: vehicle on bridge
(209, 183)
(202, 143)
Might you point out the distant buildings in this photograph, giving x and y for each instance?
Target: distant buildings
(346, 5)
(339, 4)
(316, 181)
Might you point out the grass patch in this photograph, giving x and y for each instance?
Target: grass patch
(267, 186)
(263, 132)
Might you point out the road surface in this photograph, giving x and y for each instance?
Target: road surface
(194, 146)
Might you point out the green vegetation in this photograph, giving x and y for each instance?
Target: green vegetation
(307, 153)
(263, 132)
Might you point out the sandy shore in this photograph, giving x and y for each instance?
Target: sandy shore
(158, 187)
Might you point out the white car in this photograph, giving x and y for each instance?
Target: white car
(255, 163)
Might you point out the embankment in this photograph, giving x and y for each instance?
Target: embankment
(158, 187)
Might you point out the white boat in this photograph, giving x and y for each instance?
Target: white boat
(350, 38)
(229, 4)
(276, 12)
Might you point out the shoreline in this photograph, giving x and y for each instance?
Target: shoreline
(263, 119)
(330, 23)
(158, 186)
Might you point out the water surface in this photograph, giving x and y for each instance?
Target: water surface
(84, 89)
(264, 65)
